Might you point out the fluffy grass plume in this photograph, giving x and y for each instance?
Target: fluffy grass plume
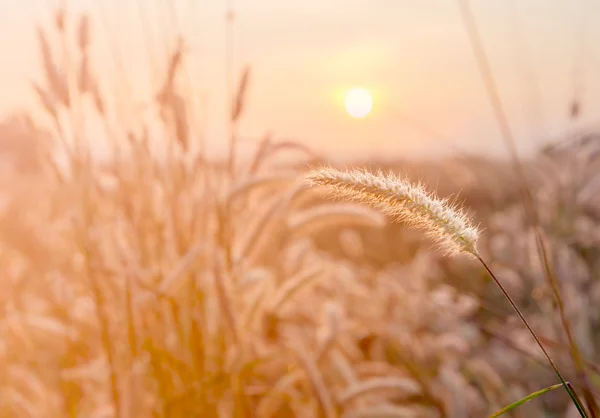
(441, 221)
(404, 201)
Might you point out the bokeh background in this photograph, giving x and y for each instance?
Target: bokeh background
(414, 57)
(162, 257)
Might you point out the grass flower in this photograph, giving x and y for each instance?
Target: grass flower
(442, 221)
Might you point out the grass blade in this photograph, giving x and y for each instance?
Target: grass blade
(525, 399)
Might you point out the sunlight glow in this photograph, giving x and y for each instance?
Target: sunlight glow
(358, 103)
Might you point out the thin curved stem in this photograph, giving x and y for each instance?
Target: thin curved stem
(571, 393)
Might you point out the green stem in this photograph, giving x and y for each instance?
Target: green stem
(571, 393)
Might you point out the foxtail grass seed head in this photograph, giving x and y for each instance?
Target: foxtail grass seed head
(442, 221)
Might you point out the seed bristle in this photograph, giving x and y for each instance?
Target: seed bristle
(405, 202)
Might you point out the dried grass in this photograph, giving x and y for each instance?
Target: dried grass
(156, 285)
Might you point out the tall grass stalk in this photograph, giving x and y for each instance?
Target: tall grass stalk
(441, 221)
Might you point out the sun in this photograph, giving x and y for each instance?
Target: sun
(358, 103)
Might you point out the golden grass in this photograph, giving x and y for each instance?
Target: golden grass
(160, 284)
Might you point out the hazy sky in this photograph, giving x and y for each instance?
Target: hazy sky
(413, 55)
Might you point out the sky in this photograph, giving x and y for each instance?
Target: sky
(414, 57)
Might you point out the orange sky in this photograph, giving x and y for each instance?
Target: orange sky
(413, 55)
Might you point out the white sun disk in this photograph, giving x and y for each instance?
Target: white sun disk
(358, 103)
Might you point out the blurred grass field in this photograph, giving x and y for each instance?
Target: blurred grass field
(160, 283)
